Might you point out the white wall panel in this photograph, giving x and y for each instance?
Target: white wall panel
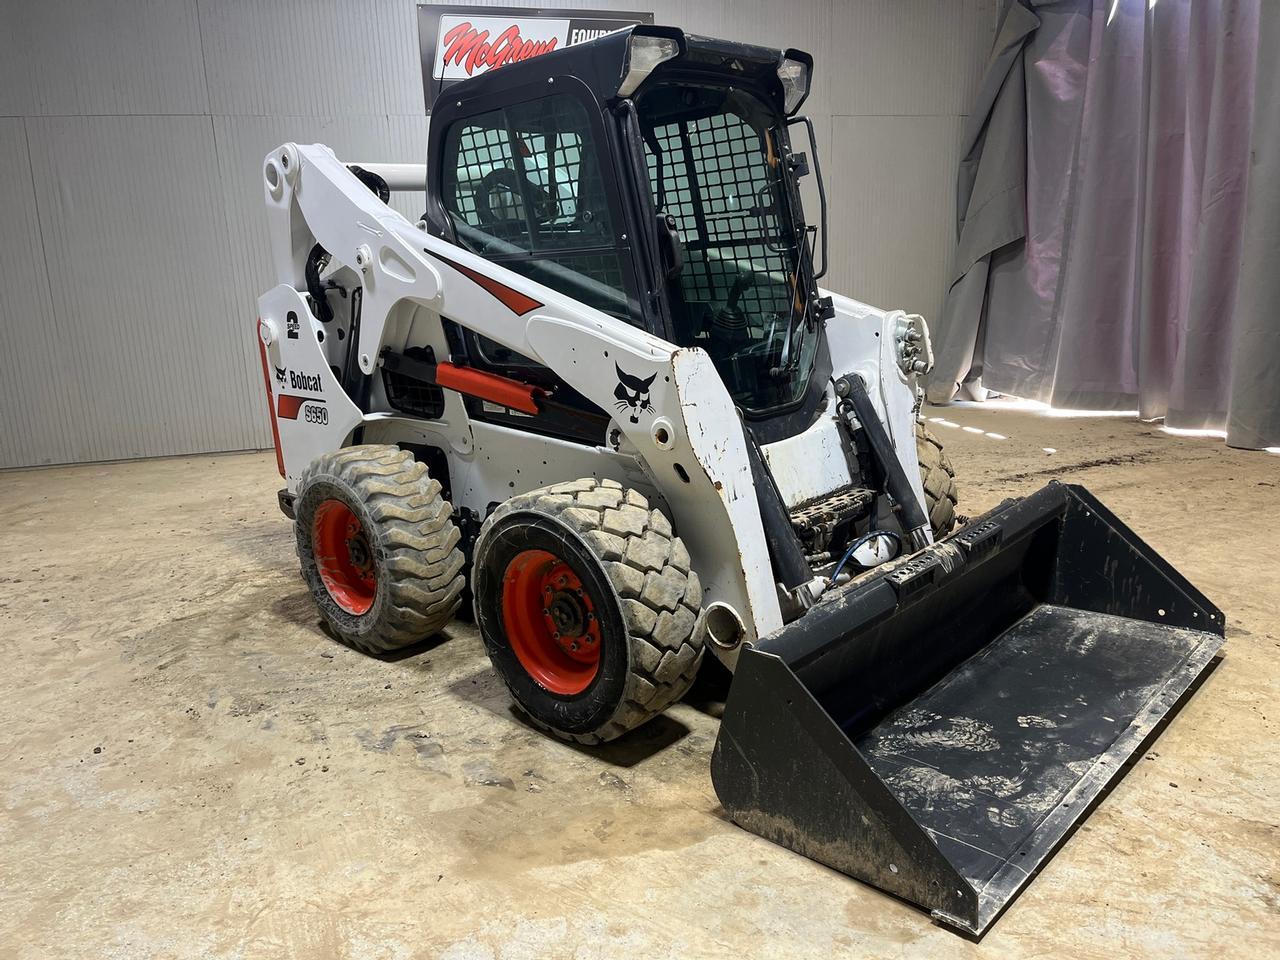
(108, 56)
(15, 82)
(38, 396)
(135, 241)
(894, 241)
(909, 56)
(302, 58)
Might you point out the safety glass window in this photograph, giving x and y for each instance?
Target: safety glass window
(528, 177)
(715, 168)
(525, 187)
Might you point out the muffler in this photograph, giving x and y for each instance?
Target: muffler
(939, 726)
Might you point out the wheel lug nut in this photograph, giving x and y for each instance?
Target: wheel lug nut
(573, 646)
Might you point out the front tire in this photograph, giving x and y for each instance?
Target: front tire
(586, 604)
(378, 547)
(939, 480)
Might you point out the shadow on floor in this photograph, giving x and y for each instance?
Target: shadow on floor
(484, 689)
(404, 653)
(710, 688)
(299, 609)
(659, 734)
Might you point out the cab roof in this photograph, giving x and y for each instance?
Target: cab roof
(601, 64)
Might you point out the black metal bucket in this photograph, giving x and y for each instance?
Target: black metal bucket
(938, 728)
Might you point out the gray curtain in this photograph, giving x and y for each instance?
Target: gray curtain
(1104, 257)
(1254, 416)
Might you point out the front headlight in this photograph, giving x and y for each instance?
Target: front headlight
(643, 54)
(795, 83)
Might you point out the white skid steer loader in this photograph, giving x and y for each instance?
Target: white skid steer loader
(598, 384)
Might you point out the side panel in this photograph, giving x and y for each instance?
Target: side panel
(676, 413)
(810, 464)
(312, 413)
(504, 461)
(863, 340)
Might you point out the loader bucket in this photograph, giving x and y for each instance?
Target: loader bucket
(939, 726)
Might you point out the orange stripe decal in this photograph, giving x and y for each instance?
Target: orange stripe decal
(290, 405)
(513, 300)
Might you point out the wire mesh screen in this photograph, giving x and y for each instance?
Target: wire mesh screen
(526, 189)
(411, 395)
(531, 176)
(714, 177)
(485, 193)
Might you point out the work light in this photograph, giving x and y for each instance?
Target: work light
(643, 54)
(795, 83)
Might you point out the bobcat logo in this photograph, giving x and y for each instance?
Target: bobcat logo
(633, 394)
(280, 372)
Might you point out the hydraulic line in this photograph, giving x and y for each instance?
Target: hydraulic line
(914, 520)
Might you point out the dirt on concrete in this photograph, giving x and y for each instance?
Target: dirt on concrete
(191, 767)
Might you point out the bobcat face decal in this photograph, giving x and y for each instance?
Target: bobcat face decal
(632, 394)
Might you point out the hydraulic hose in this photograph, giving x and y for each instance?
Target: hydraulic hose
(785, 552)
(914, 519)
(324, 312)
(318, 258)
(374, 182)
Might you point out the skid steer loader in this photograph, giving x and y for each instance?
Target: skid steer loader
(599, 387)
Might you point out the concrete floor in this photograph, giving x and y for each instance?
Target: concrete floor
(190, 768)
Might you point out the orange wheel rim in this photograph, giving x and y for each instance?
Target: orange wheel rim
(550, 621)
(343, 557)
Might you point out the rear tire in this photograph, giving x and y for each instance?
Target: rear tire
(586, 603)
(378, 547)
(939, 480)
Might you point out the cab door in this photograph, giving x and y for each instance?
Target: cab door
(530, 185)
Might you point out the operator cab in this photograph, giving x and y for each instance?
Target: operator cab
(650, 175)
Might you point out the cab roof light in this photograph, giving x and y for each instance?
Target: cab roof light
(794, 75)
(644, 53)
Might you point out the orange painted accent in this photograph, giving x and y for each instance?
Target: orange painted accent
(290, 405)
(271, 407)
(513, 300)
(489, 386)
(550, 621)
